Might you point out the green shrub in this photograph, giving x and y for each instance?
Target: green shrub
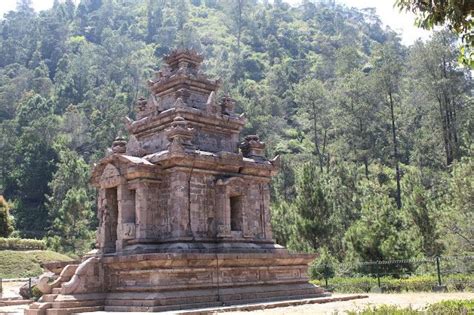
(6, 225)
(323, 266)
(452, 307)
(21, 244)
(388, 284)
(36, 293)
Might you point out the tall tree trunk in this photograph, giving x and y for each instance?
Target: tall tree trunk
(316, 141)
(395, 152)
(449, 158)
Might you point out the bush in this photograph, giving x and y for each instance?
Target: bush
(21, 244)
(323, 266)
(388, 284)
(6, 226)
(452, 307)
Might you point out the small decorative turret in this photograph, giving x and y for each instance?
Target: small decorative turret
(184, 60)
(228, 105)
(119, 145)
(252, 147)
(179, 135)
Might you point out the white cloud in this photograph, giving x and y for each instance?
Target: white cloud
(38, 5)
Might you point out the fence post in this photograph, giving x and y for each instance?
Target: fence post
(438, 269)
(378, 276)
(326, 274)
(29, 287)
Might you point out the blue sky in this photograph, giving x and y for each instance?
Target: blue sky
(403, 23)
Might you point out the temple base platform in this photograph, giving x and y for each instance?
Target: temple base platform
(173, 281)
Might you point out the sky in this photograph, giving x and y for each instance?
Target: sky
(403, 22)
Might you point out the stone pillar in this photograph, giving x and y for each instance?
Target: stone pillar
(266, 211)
(100, 234)
(126, 215)
(141, 206)
(179, 204)
(222, 210)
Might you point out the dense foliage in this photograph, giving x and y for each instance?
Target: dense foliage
(375, 137)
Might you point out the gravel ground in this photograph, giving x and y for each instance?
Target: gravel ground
(415, 300)
(11, 289)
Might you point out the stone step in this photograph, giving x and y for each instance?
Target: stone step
(162, 301)
(73, 310)
(34, 311)
(48, 297)
(40, 305)
(273, 299)
(160, 308)
(75, 304)
(250, 296)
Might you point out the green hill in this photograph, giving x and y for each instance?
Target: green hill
(21, 264)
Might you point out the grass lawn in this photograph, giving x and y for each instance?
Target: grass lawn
(22, 264)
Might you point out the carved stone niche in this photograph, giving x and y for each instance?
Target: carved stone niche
(231, 195)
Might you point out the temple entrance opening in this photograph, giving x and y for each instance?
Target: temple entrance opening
(236, 213)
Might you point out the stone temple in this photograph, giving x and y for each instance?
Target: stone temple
(183, 207)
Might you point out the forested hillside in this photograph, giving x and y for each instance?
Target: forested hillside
(375, 137)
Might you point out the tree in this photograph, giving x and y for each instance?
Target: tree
(310, 95)
(323, 267)
(421, 208)
(314, 221)
(456, 14)
(70, 205)
(457, 207)
(435, 68)
(356, 117)
(383, 232)
(32, 165)
(387, 71)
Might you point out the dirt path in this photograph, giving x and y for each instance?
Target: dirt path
(415, 300)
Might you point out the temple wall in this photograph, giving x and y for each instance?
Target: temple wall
(215, 142)
(183, 204)
(254, 217)
(204, 140)
(202, 206)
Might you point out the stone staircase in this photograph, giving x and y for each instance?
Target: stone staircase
(46, 302)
